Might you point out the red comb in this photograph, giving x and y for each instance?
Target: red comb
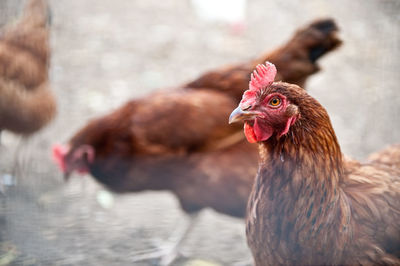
(263, 76)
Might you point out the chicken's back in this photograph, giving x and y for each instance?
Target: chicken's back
(181, 121)
(389, 156)
(374, 194)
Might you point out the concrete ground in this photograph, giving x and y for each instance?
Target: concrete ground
(105, 52)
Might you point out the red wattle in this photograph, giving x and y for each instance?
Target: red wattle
(258, 132)
(262, 130)
(249, 133)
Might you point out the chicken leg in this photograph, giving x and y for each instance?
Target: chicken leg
(169, 251)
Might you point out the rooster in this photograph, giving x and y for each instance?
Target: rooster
(179, 140)
(305, 207)
(26, 101)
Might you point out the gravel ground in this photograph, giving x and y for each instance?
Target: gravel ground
(107, 51)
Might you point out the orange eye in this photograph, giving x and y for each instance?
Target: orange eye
(275, 102)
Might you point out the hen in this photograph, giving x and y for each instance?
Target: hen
(305, 208)
(26, 102)
(179, 140)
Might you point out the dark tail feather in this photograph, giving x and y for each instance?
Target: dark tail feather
(324, 32)
(325, 26)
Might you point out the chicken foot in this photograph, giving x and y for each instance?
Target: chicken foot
(169, 251)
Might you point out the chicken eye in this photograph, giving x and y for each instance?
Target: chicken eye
(275, 102)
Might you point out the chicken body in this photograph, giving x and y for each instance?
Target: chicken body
(180, 140)
(26, 102)
(305, 207)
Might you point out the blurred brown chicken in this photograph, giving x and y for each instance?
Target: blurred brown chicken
(305, 207)
(26, 102)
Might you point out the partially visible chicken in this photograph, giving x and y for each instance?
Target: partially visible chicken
(305, 208)
(26, 101)
(296, 60)
(389, 156)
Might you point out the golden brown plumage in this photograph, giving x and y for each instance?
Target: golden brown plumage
(180, 141)
(389, 156)
(26, 102)
(305, 207)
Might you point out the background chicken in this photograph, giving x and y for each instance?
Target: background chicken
(26, 102)
(305, 207)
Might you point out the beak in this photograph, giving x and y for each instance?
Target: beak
(239, 115)
(67, 175)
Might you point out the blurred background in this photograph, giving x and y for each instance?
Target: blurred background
(105, 52)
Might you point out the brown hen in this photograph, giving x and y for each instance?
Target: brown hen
(305, 208)
(26, 102)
